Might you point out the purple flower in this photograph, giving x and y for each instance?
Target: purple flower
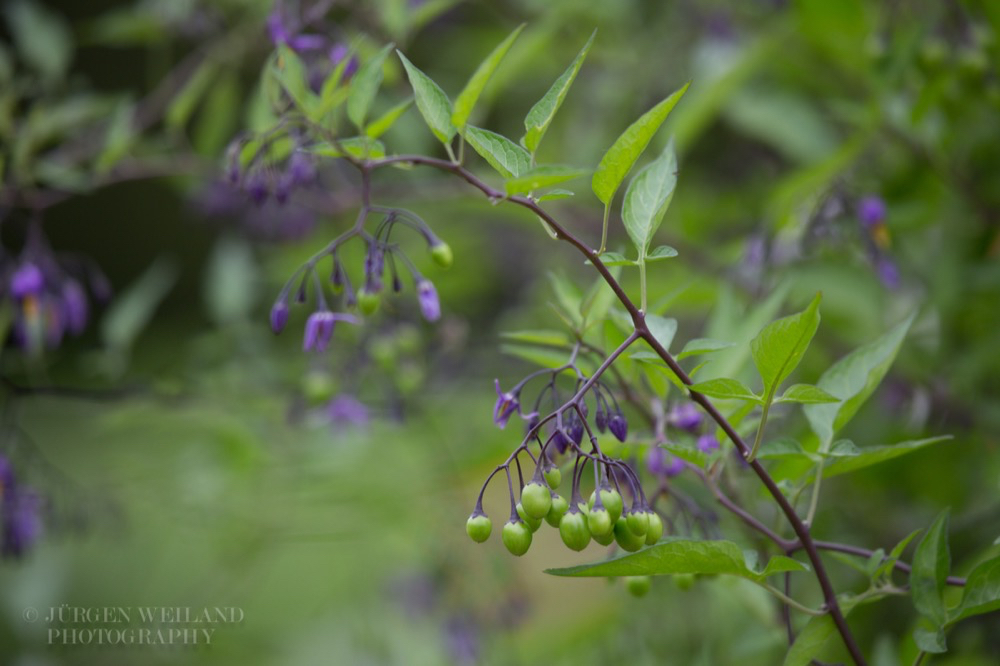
(20, 514)
(430, 306)
(26, 281)
(279, 316)
(257, 187)
(319, 331)
(575, 429)
(601, 419)
(560, 442)
(871, 210)
(661, 463)
(618, 426)
(347, 410)
(506, 405)
(279, 33)
(337, 53)
(74, 306)
(707, 443)
(686, 417)
(300, 168)
(887, 272)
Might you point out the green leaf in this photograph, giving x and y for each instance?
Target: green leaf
(537, 122)
(553, 195)
(599, 299)
(853, 379)
(613, 259)
(570, 298)
(118, 139)
(186, 101)
(702, 346)
(675, 555)
(290, 72)
(546, 358)
(432, 103)
(930, 640)
(43, 38)
(814, 636)
(132, 310)
(466, 99)
(779, 347)
(364, 87)
(332, 94)
(660, 253)
(889, 564)
(358, 147)
(653, 359)
(982, 591)
(843, 448)
(231, 275)
(627, 148)
(508, 158)
(541, 176)
(648, 197)
(784, 447)
(381, 125)
(662, 328)
(550, 338)
(872, 455)
(931, 562)
(726, 389)
(807, 394)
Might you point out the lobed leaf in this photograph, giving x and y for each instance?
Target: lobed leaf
(662, 252)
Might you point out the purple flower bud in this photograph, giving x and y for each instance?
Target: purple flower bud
(430, 306)
(26, 281)
(887, 272)
(279, 316)
(276, 29)
(74, 306)
(319, 331)
(506, 405)
(661, 463)
(871, 210)
(685, 416)
(301, 169)
(618, 426)
(347, 410)
(601, 419)
(283, 189)
(560, 442)
(575, 429)
(707, 443)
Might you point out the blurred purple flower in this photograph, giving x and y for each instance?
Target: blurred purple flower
(707, 443)
(337, 53)
(887, 272)
(279, 316)
(871, 210)
(27, 280)
(685, 416)
(661, 463)
(618, 426)
(349, 411)
(20, 514)
(430, 306)
(506, 405)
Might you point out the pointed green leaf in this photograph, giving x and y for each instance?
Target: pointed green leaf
(844, 448)
(853, 379)
(702, 346)
(613, 259)
(807, 394)
(546, 358)
(598, 300)
(660, 253)
(647, 199)
(887, 566)
(332, 94)
(814, 636)
(676, 555)
(779, 347)
(662, 328)
(537, 122)
(358, 147)
(290, 72)
(508, 158)
(553, 195)
(873, 455)
(550, 338)
(381, 125)
(541, 176)
(726, 389)
(432, 102)
(466, 99)
(931, 562)
(364, 87)
(184, 103)
(570, 298)
(627, 148)
(982, 591)
(931, 641)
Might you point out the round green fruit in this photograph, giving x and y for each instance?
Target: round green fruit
(553, 477)
(655, 531)
(532, 523)
(638, 522)
(479, 527)
(638, 586)
(536, 499)
(683, 581)
(599, 522)
(611, 500)
(573, 530)
(367, 301)
(605, 539)
(318, 387)
(625, 538)
(559, 508)
(516, 537)
(442, 255)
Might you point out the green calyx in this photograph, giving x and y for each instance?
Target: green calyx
(559, 508)
(536, 498)
(573, 530)
(655, 531)
(532, 523)
(479, 527)
(625, 538)
(638, 586)
(516, 537)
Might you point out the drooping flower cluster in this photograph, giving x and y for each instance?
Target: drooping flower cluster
(872, 212)
(686, 418)
(20, 513)
(273, 165)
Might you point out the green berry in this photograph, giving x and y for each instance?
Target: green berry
(573, 530)
(536, 500)
(318, 387)
(441, 254)
(559, 508)
(638, 522)
(553, 477)
(479, 527)
(611, 500)
(638, 586)
(516, 537)
(599, 521)
(655, 531)
(605, 539)
(625, 538)
(683, 581)
(367, 301)
(532, 523)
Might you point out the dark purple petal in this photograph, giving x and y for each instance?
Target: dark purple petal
(618, 426)
(27, 280)
(661, 463)
(601, 419)
(279, 316)
(506, 405)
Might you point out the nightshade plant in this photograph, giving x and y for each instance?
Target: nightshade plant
(608, 425)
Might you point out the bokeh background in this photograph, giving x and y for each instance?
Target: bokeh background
(187, 457)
